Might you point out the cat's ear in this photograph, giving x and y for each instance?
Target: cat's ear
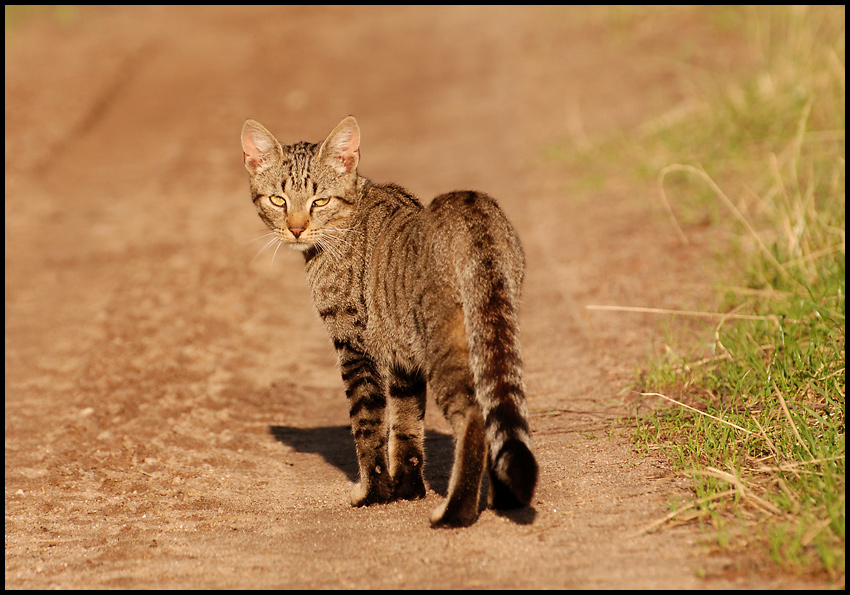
(259, 148)
(341, 150)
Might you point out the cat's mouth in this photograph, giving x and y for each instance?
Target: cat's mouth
(300, 245)
(303, 243)
(295, 239)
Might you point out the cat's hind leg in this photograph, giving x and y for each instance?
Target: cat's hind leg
(450, 381)
(460, 508)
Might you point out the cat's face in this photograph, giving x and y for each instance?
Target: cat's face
(306, 193)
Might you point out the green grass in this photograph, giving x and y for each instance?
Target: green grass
(15, 14)
(762, 154)
(756, 419)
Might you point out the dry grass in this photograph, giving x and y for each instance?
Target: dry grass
(758, 421)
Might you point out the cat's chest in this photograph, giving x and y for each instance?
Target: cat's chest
(334, 284)
(337, 291)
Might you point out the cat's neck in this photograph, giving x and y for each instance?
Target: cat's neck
(311, 253)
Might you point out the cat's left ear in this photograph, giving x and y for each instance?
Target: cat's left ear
(341, 150)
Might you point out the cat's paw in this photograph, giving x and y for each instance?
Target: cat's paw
(374, 492)
(409, 485)
(455, 514)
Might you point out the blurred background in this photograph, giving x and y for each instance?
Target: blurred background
(149, 350)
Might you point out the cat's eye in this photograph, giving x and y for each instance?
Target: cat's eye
(277, 201)
(320, 202)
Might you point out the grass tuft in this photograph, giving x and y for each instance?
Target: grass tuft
(759, 423)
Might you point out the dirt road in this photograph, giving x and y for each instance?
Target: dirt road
(173, 414)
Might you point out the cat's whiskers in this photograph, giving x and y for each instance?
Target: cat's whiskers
(279, 244)
(347, 230)
(328, 246)
(339, 234)
(265, 235)
(332, 247)
(268, 244)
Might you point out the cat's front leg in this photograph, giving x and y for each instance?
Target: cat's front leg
(366, 405)
(406, 449)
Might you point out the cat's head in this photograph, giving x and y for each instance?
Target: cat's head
(306, 193)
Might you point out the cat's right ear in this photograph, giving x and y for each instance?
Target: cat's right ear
(259, 148)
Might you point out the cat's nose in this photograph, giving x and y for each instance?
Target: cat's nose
(296, 231)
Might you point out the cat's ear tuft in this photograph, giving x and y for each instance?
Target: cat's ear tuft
(259, 148)
(341, 150)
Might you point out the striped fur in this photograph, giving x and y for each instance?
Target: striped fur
(416, 299)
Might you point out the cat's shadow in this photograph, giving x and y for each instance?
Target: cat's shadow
(336, 446)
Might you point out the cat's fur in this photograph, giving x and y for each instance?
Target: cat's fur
(415, 298)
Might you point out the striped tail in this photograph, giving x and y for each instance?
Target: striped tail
(490, 286)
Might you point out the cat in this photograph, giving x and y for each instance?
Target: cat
(416, 299)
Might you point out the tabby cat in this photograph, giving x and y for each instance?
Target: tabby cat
(416, 299)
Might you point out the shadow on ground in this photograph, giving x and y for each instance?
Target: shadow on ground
(336, 446)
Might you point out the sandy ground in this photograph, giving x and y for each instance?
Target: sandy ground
(173, 414)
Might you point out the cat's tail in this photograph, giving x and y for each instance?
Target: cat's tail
(490, 279)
